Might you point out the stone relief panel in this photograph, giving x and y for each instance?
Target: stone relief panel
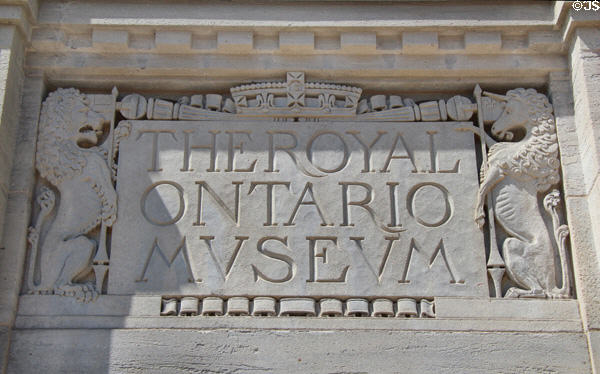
(79, 197)
(300, 193)
(266, 208)
(513, 175)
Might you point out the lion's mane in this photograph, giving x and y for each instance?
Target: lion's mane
(58, 158)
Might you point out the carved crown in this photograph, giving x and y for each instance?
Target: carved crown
(296, 98)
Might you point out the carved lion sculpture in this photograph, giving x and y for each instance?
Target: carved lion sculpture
(516, 172)
(67, 159)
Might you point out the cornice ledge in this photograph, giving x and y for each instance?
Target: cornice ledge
(576, 19)
(22, 14)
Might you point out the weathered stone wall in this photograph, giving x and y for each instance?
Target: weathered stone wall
(426, 51)
(16, 19)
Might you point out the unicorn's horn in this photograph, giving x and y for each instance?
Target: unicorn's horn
(495, 96)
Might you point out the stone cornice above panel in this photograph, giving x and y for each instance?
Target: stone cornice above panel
(302, 42)
(288, 14)
(577, 20)
(393, 28)
(567, 18)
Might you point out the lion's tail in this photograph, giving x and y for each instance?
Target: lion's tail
(561, 232)
(46, 200)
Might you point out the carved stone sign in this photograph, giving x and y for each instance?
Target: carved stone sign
(294, 192)
(300, 209)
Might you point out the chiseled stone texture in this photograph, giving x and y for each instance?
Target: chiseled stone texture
(297, 42)
(594, 342)
(11, 81)
(445, 262)
(561, 96)
(405, 46)
(285, 351)
(585, 65)
(12, 257)
(110, 40)
(585, 260)
(4, 344)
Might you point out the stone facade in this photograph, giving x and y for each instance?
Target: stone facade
(229, 187)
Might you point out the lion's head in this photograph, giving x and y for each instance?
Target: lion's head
(67, 124)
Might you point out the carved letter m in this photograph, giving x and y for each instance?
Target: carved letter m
(181, 249)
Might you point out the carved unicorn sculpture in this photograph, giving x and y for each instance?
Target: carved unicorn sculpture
(515, 173)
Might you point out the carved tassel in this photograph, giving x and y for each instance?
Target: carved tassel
(561, 232)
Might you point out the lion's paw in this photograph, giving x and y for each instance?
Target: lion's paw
(515, 292)
(557, 293)
(512, 293)
(84, 292)
(89, 293)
